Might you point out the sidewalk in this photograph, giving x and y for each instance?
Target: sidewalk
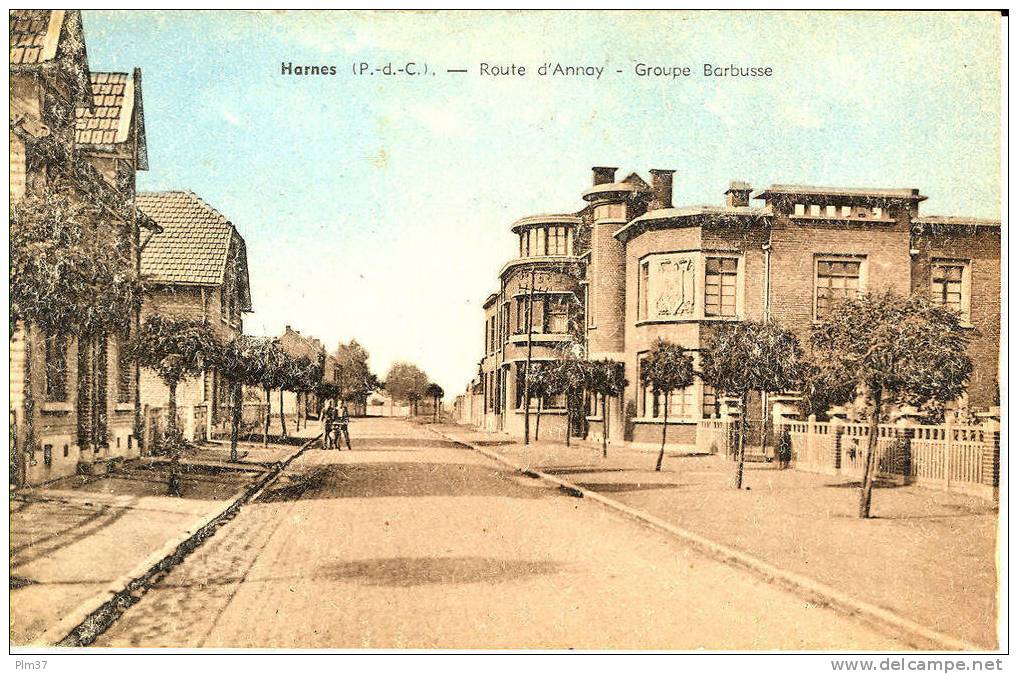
(73, 538)
(927, 555)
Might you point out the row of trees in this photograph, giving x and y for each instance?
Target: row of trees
(885, 349)
(178, 348)
(880, 350)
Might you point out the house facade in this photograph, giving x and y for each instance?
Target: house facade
(296, 345)
(643, 269)
(74, 399)
(195, 268)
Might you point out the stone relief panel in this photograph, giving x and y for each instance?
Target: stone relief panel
(673, 286)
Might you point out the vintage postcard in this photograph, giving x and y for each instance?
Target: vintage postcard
(440, 330)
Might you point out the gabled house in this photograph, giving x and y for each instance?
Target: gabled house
(71, 402)
(195, 268)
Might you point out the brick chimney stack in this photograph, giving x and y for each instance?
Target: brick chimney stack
(661, 185)
(737, 194)
(604, 175)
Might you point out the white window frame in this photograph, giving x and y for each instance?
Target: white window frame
(838, 257)
(966, 283)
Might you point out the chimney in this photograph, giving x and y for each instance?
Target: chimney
(737, 194)
(604, 175)
(661, 186)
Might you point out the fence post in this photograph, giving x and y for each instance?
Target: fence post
(811, 430)
(948, 450)
(835, 431)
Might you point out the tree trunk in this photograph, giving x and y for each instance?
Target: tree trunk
(664, 434)
(740, 452)
(268, 416)
(282, 415)
(870, 465)
(604, 426)
(235, 418)
(172, 434)
(569, 418)
(26, 448)
(537, 428)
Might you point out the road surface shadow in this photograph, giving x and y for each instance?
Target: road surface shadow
(570, 470)
(385, 479)
(407, 443)
(620, 487)
(415, 571)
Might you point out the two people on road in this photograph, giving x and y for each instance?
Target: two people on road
(335, 425)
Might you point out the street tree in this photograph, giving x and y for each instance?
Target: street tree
(268, 366)
(356, 380)
(607, 379)
(895, 350)
(737, 358)
(303, 378)
(238, 361)
(567, 375)
(435, 393)
(405, 381)
(666, 368)
(540, 386)
(175, 348)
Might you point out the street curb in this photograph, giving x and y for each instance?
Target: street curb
(813, 591)
(94, 616)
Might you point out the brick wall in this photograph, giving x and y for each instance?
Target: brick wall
(980, 246)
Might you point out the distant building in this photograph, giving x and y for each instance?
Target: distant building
(296, 345)
(636, 269)
(73, 401)
(196, 268)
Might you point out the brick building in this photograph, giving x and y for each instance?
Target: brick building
(637, 268)
(73, 399)
(195, 268)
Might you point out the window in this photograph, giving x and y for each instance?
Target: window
(125, 369)
(832, 211)
(949, 285)
(846, 211)
(641, 289)
(56, 368)
(532, 243)
(558, 241)
(711, 403)
(814, 210)
(556, 315)
(523, 244)
(836, 280)
(878, 212)
(800, 209)
(680, 402)
(720, 276)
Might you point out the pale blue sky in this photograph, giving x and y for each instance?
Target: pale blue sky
(379, 208)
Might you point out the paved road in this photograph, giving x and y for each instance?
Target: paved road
(410, 541)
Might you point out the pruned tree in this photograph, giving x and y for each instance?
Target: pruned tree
(238, 361)
(436, 393)
(737, 358)
(540, 387)
(268, 365)
(303, 377)
(895, 350)
(607, 379)
(567, 375)
(667, 367)
(175, 348)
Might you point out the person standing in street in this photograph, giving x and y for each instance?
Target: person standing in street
(328, 418)
(343, 425)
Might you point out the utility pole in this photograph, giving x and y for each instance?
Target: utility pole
(530, 353)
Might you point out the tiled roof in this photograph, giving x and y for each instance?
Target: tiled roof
(34, 35)
(194, 244)
(109, 121)
(955, 220)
